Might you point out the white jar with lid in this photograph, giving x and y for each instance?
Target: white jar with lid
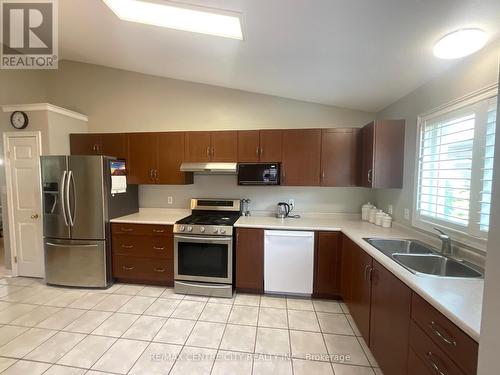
(387, 221)
(365, 211)
(371, 215)
(379, 216)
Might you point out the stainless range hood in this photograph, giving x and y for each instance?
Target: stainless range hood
(210, 168)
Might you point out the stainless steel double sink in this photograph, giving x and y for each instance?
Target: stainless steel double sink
(422, 259)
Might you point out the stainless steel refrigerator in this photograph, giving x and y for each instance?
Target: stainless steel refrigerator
(77, 208)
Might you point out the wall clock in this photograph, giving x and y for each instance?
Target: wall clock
(19, 120)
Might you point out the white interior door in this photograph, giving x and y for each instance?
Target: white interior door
(23, 186)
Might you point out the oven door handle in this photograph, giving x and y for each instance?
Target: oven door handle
(207, 239)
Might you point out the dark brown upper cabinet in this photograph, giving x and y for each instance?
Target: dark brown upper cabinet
(217, 146)
(142, 149)
(84, 144)
(301, 157)
(339, 157)
(382, 154)
(155, 158)
(109, 144)
(170, 156)
(259, 146)
(114, 144)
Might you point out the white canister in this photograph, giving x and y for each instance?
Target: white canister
(371, 214)
(387, 221)
(365, 211)
(379, 216)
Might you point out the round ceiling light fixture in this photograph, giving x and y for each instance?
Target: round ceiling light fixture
(460, 43)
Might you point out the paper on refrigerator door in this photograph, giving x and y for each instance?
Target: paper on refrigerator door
(118, 177)
(118, 184)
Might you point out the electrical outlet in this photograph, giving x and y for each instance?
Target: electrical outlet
(407, 214)
(170, 200)
(291, 202)
(390, 209)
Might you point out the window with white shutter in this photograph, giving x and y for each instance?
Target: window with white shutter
(455, 166)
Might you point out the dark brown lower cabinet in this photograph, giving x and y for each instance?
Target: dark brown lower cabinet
(249, 260)
(346, 268)
(390, 320)
(143, 253)
(327, 265)
(360, 301)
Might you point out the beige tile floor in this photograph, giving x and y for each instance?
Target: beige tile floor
(134, 329)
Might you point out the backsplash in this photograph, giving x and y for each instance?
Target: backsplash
(264, 198)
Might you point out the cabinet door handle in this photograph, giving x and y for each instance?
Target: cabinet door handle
(127, 230)
(128, 268)
(257, 151)
(261, 151)
(128, 246)
(156, 175)
(158, 230)
(159, 269)
(151, 176)
(208, 151)
(158, 248)
(435, 329)
(370, 175)
(365, 272)
(436, 368)
(323, 176)
(213, 151)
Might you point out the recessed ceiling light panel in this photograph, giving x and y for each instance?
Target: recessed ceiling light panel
(460, 43)
(176, 16)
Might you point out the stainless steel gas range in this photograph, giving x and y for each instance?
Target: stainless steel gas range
(203, 248)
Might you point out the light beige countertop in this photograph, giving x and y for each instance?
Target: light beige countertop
(161, 216)
(458, 299)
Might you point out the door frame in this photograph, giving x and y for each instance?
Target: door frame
(8, 182)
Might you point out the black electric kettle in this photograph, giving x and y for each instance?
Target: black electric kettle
(282, 210)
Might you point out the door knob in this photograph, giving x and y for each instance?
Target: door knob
(35, 216)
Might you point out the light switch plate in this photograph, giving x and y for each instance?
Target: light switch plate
(170, 200)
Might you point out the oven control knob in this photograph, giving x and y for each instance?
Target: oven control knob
(222, 231)
(215, 230)
(202, 229)
(190, 229)
(182, 228)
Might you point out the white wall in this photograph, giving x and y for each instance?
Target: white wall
(117, 100)
(490, 325)
(466, 76)
(264, 198)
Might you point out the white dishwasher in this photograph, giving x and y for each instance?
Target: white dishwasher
(288, 262)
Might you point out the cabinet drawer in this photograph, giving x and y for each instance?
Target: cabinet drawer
(143, 269)
(416, 366)
(147, 229)
(433, 358)
(446, 335)
(143, 246)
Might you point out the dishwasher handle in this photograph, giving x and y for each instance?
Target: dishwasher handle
(287, 233)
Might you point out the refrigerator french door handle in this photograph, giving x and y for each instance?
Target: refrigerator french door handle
(71, 215)
(61, 195)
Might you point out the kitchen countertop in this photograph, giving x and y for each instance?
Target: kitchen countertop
(458, 299)
(161, 216)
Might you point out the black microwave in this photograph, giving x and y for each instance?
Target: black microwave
(258, 174)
